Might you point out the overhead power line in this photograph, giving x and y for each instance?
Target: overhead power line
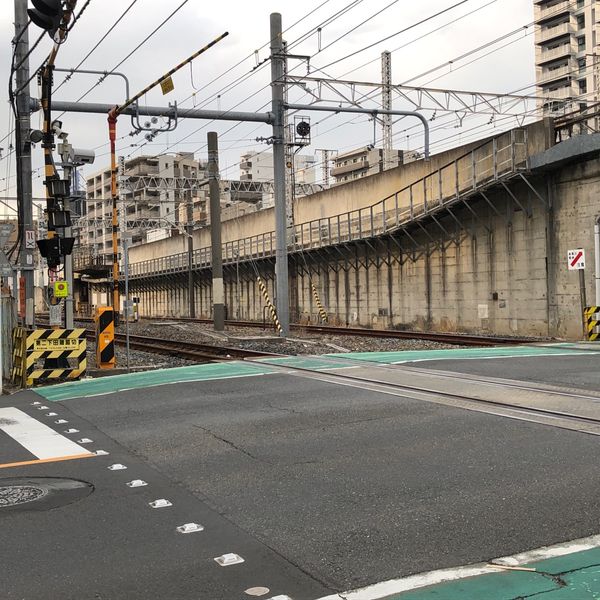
(102, 39)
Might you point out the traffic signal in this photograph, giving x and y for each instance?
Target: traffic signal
(46, 14)
(53, 249)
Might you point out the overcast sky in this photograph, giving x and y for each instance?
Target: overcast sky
(508, 66)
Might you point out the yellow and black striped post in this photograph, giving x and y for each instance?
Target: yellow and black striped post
(592, 322)
(322, 312)
(32, 346)
(265, 293)
(105, 337)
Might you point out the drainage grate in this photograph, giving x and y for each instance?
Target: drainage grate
(20, 494)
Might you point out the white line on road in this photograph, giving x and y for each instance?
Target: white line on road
(39, 439)
(385, 589)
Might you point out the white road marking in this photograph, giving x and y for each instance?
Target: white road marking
(385, 589)
(39, 439)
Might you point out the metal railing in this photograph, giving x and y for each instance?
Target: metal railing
(499, 158)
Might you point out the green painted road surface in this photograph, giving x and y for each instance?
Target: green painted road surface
(226, 370)
(119, 383)
(574, 576)
(314, 363)
(464, 353)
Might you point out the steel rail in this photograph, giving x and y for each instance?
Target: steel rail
(408, 389)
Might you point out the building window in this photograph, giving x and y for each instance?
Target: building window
(582, 86)
(581, 43)
(580, 3)
(581, 63)
(580, 21)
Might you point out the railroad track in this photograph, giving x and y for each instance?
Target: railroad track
(458, 339)
(556, 418)
(188, 350)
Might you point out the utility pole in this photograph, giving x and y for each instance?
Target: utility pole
(386, 104)
(215, 232)
(189, 227)
(278, 111)
(23, 155)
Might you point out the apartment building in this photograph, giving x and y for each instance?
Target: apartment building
(142, 204)
(258, 166)
(566, 54)
(361, 162)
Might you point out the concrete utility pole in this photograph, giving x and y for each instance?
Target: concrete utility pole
(386, 104)
(278, 111)
(215, 232)
(189, 227)
(23, 155)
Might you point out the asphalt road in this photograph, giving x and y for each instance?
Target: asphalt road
(573, 370)
(320, 487)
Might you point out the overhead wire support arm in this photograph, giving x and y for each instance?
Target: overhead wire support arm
(113, 115)
(369, 111)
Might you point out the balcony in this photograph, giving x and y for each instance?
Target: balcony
(546, 56)
(245, 165)
(551, 33)
(545, 12)
(350, 167)
(554, 74)
(563, 93)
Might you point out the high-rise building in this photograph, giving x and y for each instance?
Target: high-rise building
(566, 54)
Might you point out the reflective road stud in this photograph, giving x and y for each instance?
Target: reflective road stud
(102, 453)
(229, 559)
(136, 483)
(190, 528)
(116, 466)
(160, 503)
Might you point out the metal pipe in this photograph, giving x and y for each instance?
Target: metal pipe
(370, 111)
(159, 111)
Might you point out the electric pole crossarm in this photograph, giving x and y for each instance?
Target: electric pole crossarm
(369, 111)
(160, 111)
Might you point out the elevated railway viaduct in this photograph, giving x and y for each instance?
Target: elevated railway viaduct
(474, 240)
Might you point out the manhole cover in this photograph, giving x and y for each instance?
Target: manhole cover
(12, 495)
(40, 493)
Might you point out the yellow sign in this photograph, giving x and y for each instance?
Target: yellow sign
(167, 85)
(61, 289)
(56, 344)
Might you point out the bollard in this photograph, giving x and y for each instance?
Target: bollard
(105, 337)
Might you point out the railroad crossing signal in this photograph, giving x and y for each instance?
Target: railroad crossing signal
(61, 289)
(576, 259)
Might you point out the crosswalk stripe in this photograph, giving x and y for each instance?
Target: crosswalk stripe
(39, 439)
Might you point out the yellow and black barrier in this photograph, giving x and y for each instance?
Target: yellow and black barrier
(322, 312)
(105, 337)
(53, 346)
(265, 293)
(592, 322)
